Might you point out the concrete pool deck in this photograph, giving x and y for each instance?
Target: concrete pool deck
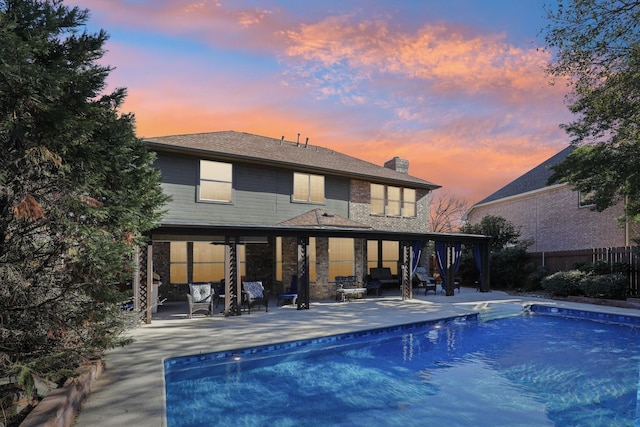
(131, 390)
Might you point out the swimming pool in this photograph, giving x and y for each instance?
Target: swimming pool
(529, 370)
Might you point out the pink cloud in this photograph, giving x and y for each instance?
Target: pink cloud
(446, 58)
(470, 111)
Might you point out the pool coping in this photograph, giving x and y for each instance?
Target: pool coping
(172, 363)
(132, 390)
(623, 319)
(228, 355)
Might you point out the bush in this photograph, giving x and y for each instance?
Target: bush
(612, 286)
(598, 267)
(510, 268)
(534, 282)
(620, 268)
(602, 267)
(564, 283)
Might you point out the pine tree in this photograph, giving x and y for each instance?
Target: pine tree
(77, 192)
(596, 47)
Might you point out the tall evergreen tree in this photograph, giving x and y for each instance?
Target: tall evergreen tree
(77, 191)
(504, 234)
(509, 262)
(596, 46)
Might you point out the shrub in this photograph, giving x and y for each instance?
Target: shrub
(612, 286)
(564, 283)
(510, 268)
(602, 267)
(534, 282)
(598, 267)
(620, 267)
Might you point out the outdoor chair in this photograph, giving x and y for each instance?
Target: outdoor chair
(219, 291)
(253, 293)
(291, 293)
(200, 297)
(374, 286)
(422, 280)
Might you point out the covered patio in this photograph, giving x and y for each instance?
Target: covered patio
(447, 248)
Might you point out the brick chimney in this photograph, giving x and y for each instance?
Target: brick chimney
(398, 165)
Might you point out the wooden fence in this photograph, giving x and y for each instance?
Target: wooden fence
(565, 260)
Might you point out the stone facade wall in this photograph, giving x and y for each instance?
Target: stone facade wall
(289, 261)
(554, 221)
(260, 265)
(323, 287)
(360, 210)
(360, 254)
(320, 288)
(162, 266)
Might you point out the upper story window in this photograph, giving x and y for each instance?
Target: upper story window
(393, 201)
(308, 188)
(585, 199)
(215, 181)
(409, 202)
(378, 199)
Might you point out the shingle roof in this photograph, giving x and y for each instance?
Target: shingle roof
(233, 145)
(321, 218)
(535, 179)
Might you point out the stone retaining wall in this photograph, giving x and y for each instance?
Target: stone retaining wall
(60, 407)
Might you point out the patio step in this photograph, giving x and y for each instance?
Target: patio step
(489, 311)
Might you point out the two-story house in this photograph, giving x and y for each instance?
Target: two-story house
(267, 209)
(555, 217)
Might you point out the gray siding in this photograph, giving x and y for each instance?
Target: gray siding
(261, 195)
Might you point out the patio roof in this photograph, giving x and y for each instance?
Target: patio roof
(198, 231)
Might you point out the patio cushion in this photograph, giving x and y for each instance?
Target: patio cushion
(200, 292)
(384, 276)
(254, 289)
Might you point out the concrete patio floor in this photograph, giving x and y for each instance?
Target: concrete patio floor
(131, 390)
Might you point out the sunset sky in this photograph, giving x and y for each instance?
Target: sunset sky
(456, 87)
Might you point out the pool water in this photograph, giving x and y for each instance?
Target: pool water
(529, 370)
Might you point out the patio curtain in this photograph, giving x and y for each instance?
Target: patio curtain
(441, 258)
(417, 251)
(477, 259)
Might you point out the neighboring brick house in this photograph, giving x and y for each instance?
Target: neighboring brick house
(554, 217)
